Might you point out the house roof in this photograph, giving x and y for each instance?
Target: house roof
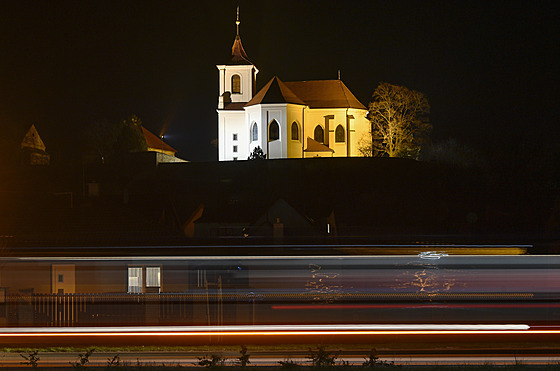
(154, 142)
(314, 146)
(315, 94)
(33, 141)
(275, 91)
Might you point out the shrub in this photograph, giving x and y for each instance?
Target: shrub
(31, 359)
(288, 365)
(322, 358)
(243, 359)
(83, 359)
(213, 361)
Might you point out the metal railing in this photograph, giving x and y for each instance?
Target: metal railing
(104, 309)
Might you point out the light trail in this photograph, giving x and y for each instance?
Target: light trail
(466, 253)
(273, 330)
(410, 306)
(275, 327)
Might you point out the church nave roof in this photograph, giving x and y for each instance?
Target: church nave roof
(315, 94)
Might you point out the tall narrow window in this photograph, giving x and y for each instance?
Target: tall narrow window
(295, 131)
(201, 278)
(236, 84)
(255, 131)
(153, 277)
(273, 131)
(319, 134)
(135, 280)
(339, 134)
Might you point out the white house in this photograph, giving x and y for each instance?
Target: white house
(286, 119)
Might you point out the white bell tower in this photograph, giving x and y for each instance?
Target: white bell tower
(238, 78)
(237, 87)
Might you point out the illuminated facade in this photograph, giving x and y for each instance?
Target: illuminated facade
(286, 119)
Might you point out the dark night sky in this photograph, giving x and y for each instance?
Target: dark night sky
(489, 68)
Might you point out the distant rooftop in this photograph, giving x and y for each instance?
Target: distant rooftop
(156, 143)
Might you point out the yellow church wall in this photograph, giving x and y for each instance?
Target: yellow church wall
(314, 117)
(359, 125)
(318, 154)
(294, 114)
(339, 149)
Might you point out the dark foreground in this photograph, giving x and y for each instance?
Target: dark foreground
(289, 358)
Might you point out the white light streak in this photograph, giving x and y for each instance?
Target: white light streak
(267, 328)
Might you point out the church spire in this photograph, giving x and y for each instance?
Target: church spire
(237, 52)
(237, 21)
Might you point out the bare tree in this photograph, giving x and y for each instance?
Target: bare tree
(399, 122)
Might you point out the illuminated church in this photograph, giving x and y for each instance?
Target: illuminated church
(297, 119)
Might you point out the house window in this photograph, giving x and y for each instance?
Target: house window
(319, 134)
(153, 277)
(273, 131)
(255, 132)
(236, 84)
(235, 149)
(235, 159)
(339, 134)
(61, 278)
(134, 280)
(235, 136)
(201, 278)
(295, 131)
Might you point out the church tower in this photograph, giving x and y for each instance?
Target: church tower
(238, 78)
(237, 87)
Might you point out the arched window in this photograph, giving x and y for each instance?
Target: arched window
(339, 134)
(295, 131)
(236, 84)
(255, 131)
(273, 131)
(319, 134)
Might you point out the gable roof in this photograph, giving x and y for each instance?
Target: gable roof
(33, 141)
(275, 91)
(315, 94)
(156, 143)
(325, 94)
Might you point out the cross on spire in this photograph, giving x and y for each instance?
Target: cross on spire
(237, 21)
